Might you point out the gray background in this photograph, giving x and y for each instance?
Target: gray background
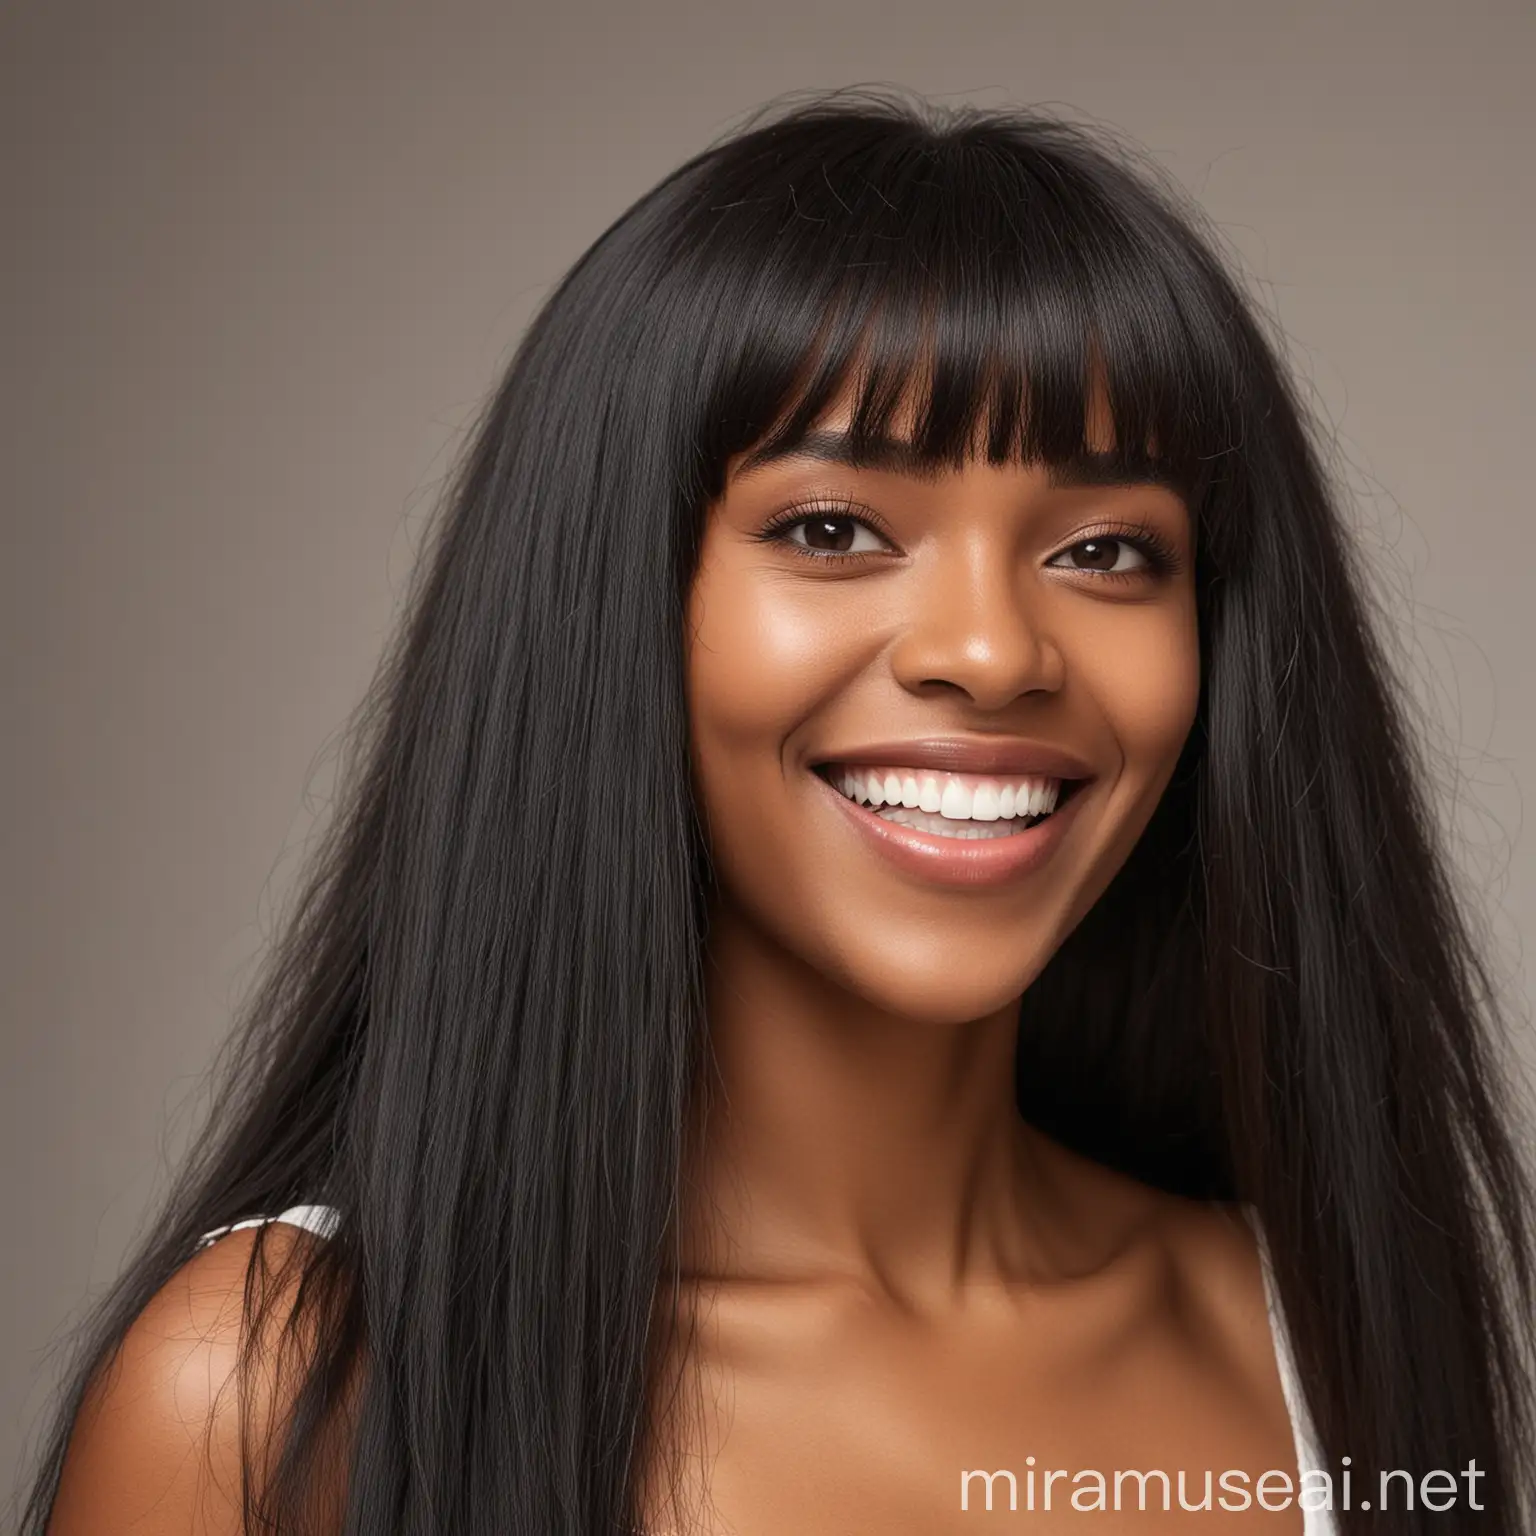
(261, 262)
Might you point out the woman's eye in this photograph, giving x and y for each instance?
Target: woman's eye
(825, 535)
(1108, 554)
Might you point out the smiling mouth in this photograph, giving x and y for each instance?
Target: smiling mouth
(955, 805)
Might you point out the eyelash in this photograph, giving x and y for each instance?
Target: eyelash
(774, 531)
(1161, 557)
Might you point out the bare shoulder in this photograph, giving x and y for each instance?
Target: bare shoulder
(1208, 1254)
(158, 1445)
(1204, 1253)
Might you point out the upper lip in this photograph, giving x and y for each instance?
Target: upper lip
(968, 754)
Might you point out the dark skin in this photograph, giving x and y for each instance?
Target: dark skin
(895, 1279)
(891, 1278)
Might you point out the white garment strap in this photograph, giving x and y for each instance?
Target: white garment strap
(1309, 1457)
(322, 1220)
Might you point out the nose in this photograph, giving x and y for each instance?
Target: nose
(971, 629)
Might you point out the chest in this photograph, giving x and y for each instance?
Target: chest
(1046, 1424)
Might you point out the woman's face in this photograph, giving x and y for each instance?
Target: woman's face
(892, 671)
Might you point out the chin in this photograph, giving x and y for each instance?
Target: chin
(912, 984)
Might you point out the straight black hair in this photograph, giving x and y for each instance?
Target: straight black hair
(482, 1032)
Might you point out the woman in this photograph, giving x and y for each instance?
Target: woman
(883, 870)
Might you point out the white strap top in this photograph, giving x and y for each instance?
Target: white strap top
(322, 1220)
(1309, 1458)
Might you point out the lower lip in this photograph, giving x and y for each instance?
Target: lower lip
(955, 860)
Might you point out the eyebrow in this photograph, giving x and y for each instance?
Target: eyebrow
(895, 456)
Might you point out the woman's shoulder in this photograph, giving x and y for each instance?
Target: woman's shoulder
(1207, 1258)
(160, 1442)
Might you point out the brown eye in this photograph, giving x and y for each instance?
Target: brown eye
(1103, 554)
(821, 533)
(834, 534)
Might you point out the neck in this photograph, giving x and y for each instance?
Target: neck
(835, 1138)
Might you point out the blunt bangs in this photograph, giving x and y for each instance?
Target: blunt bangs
(1008, 288)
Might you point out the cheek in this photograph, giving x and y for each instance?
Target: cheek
(763, 653)
(750, 662)
(1146, 693)
(767, 656)
(1149, 694)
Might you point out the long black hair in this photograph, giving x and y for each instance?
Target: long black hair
(481, 1034)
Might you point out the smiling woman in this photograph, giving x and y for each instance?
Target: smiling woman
(998, 683)
(885, 925)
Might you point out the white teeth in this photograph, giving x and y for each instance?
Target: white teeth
(944, 826)
(956, 803)
(988, 805)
